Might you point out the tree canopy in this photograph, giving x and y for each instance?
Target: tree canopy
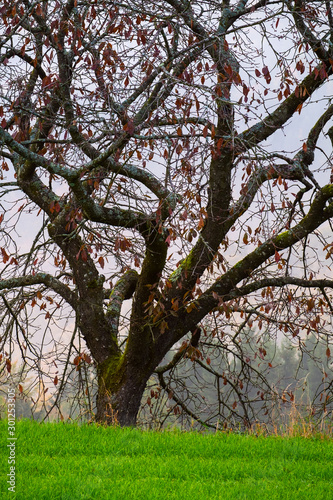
(169, 166)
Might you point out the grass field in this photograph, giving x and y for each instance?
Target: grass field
(66, 461)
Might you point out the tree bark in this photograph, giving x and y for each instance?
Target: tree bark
(120, 390)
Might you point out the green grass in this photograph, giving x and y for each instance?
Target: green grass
(65, 461)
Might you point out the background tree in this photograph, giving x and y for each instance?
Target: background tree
(144, 158)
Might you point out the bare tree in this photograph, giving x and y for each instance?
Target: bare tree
(168, 153)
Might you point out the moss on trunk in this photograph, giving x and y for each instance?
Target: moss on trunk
(120, 390)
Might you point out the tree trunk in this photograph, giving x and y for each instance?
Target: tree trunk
(120, 390)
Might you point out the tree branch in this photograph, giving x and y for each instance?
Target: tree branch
(123, 289)
(274, 121)
(227, 283)
(41, 278)
(279, 281)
